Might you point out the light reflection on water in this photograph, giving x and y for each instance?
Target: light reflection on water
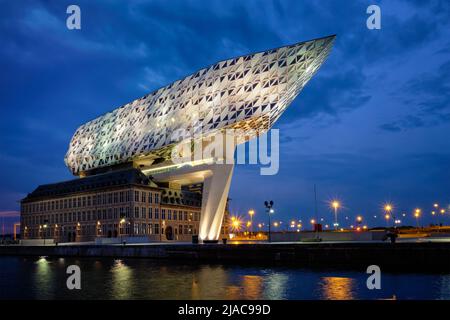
(45, 278)
(338, 288)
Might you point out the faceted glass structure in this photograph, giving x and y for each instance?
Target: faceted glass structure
(247, 92)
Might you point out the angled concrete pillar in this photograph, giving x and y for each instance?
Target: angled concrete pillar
(215, 193)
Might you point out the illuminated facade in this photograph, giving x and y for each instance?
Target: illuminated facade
(248, 93)
(119, 204)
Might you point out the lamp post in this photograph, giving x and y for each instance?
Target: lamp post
(121, 223)
(251, 213)
(269, 205)
(335, 204)
(417, 216)
(45, 229)
(388, 209)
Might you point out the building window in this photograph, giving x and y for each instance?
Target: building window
(121, 197)
(150, 213)
(180, 229)
(169, 215)
(116, 197)
(150, 197)
(143, 197)
(175, 214)
(156, 228)
(136, 212)
(156, 198)
(150, 228)
(156, 213)
(163, 214)
(136, 196)
(143, 213)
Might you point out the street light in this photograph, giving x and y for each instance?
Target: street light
(335, 205)
(388, 208)
(269, 205)
(417, 215)
(251, 213)
(45, 229)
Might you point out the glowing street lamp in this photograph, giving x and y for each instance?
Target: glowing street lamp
(335, 205)
(235, 224)
(417, 216)
(388, 209)
(251, 213)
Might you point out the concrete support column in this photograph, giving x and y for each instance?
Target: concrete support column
(215, 193)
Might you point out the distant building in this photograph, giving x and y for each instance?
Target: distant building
(122, 203)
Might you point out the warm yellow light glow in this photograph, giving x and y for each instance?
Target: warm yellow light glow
(442, 211)
(387, 216)
(122, 221)
(335, 204)
(359, 218)
(364, 227)
(251, 212)
(275, 224)
(435, 205)
(388, 207)
(433, 213)
(259, 225)
(313, 221)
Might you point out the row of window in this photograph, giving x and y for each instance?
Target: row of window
(88, 201)
(109, 230)
(169, 214)
(110, 214)
(146, 197)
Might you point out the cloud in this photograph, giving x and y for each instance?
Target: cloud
(428, 96)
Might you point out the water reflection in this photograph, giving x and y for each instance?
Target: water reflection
(338, 288)
(275, 287)
(122, 280)
(43, 277)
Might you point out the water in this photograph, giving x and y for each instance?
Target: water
(45, 278)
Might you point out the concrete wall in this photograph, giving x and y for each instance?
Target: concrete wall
(328, 236)
(36, 242)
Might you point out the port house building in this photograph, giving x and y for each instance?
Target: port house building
(129, 184)
(122, 203)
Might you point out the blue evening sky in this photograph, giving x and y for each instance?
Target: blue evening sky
(372, 126)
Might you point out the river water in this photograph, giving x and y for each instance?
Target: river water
(45, 278)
